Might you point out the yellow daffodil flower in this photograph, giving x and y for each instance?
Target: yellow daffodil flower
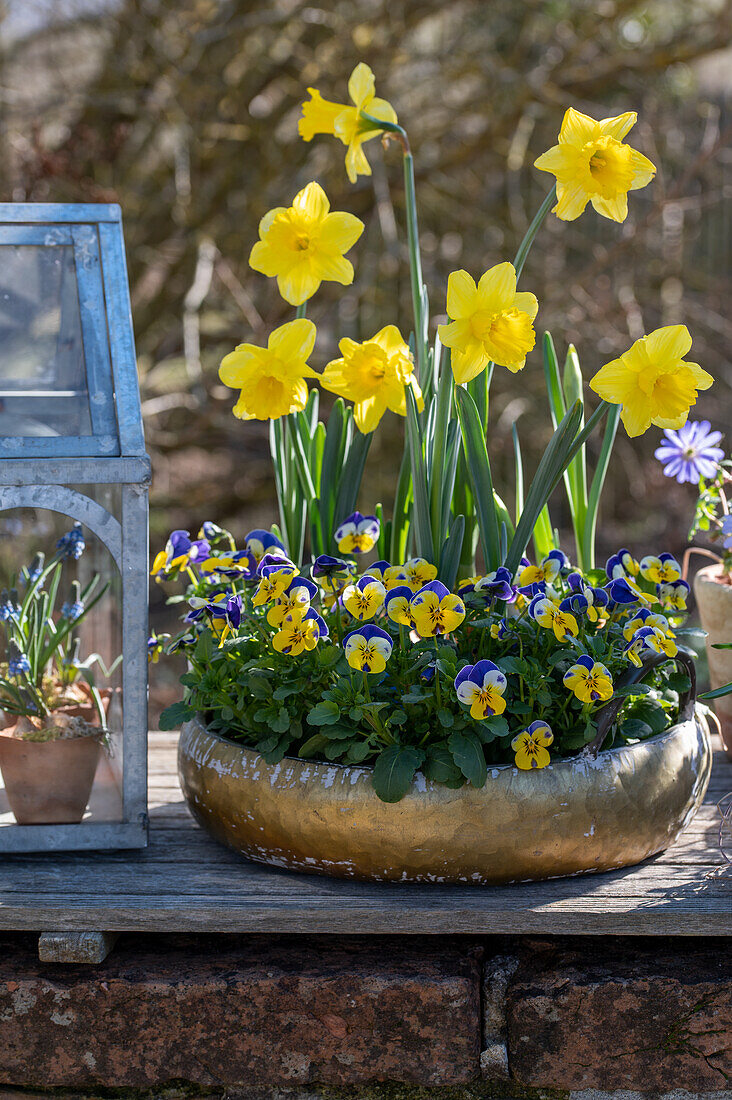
(489, 322)
(321, 116)
(651, 381)
(374, 375)
(593, 164)
(589, 680)
(530, 746)
(271, 379)
(304, 244)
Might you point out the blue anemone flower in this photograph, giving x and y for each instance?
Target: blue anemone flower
(690, 452)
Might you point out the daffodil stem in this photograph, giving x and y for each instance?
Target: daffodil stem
(301, 310)
(525, 246)
(415, 266)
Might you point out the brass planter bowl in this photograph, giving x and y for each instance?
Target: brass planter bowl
(578, 815)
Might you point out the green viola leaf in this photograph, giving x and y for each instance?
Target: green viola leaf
(467, 752)
(324, 714)
(394, 771)
(175, 715)
(439, 767)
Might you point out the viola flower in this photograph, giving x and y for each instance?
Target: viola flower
(271, 379)
(465, 587)
(418, 572)
(374, 375)
(333, 568)
(585, 599)
(259, 543)
(652, 382)
(481, 687)
(378, 571)
(660, 570)
(395, 576)
(499, 630)
(368, 648)
(304, 244)
(223, 612)
(180, 551)
(593, 164)
(295, 598)
(18, 663)
(589, 680)
(547, 614)
(645, 617)
(240, 564)
(397, 604)
(490, 322)
(274, 582)
(72, 544)
(496, 586)
(299, 632)
(673, 595)
(622, 564)
(364, 598)
(547, 570)
(436, 610)
(691, 452)
(649, 640)
(624, 590)
(321, 116)
(530, 746)
(156, 644)
(358, 534)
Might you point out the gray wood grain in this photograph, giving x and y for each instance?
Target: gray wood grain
(187, 882)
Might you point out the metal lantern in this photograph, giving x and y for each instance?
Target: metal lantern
(72, 448)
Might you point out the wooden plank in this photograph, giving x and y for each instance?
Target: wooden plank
(186, 881)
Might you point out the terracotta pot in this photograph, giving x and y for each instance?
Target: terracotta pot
(714, 600)
(577, 815)
(48, 782)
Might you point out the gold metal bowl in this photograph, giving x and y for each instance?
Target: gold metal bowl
(578, 815)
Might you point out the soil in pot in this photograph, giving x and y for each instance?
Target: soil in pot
(714, 599)
(49, 782)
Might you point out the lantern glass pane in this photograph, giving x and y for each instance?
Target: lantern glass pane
(43, 376)
(95, 644)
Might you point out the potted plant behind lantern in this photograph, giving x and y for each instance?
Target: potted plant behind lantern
(692, 455)
(55, 715)
(450, 711)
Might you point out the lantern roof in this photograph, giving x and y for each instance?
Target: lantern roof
(68, 371)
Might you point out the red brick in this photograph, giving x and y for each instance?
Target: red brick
(226, 1011)
(615, 1017)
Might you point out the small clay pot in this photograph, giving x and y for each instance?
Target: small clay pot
(714, 600)
(48, 782)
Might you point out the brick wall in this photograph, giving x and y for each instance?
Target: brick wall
(370, 1016)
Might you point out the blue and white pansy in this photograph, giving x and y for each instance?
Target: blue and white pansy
(584, 600)
(496, 586)
(365, 598)
(548, 569)
(368, 648)
(481, 687)
(180, 551)
(622, 564)
(261, 542)
(297, 597)
(663, 569)
(358, 534)
(673, 596)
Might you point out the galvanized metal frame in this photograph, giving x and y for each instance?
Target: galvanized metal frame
(41, 472)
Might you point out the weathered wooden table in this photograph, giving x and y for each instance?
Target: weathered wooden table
(186, 882)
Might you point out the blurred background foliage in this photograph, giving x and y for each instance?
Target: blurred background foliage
(186, 113)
